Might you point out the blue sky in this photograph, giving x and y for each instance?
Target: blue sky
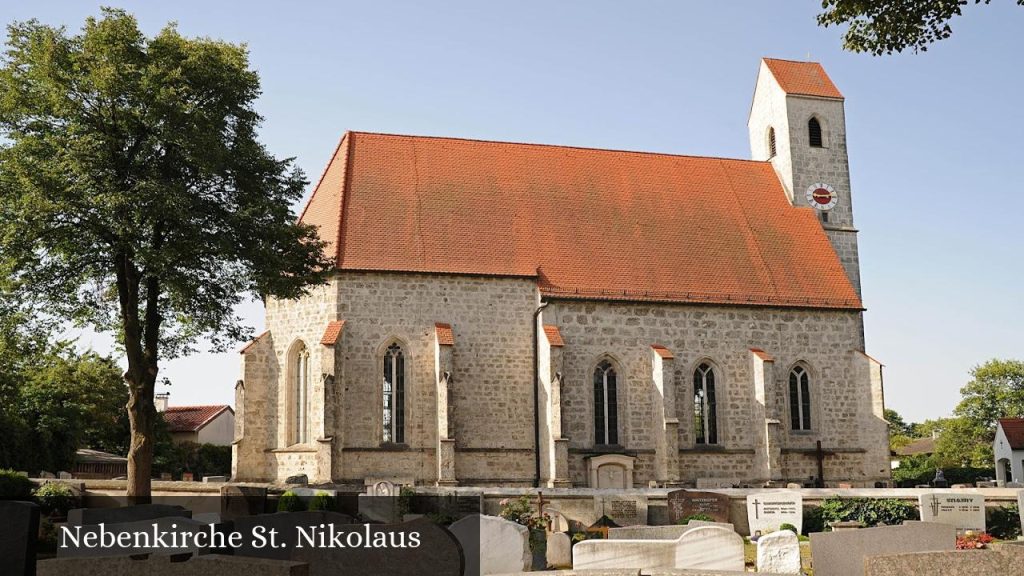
(936, 139)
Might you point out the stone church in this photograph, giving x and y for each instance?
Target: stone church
(516, 314)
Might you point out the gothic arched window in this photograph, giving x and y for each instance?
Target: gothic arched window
(300, 394)
(799, 398)
(814, 133)
(771, 143)
(394, 394)
(606, 405)
(705, 414)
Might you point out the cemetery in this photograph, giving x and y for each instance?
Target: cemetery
(323, 529)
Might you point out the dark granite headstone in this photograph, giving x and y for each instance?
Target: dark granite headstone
(238, 501)
(19, 527)
(93, 516)
(298, 479)
(684, 503)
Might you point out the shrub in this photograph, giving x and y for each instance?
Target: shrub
(322, 501)
(14, 486)
(1004, 522)
(814, 520)
(290, 502)
(868, 511)
(521, 511)
(56, 498)
(698, 517)
(790, 527)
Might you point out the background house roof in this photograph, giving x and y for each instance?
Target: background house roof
(1013, 428)
(586, 223)
(192, 418)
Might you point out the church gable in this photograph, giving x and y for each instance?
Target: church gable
(587, 223)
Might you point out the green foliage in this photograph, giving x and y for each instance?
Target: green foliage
(963, 443)
(290, 502)
(887, 26)
(790, 527)
(521, 511)
(698, 517)
(996, 390)
(897, 426)
(868, 511)
(199, 459)
(813, 519)
(322, 501)
(1004, 522)
(136, 197)
(14, 486)
(912, 469)
(56, 498)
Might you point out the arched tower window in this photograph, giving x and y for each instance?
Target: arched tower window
(814, 133)
(394, 394)
(799, 399)
(606, 405)
(771, 143)
(705, 413)
(300, 394)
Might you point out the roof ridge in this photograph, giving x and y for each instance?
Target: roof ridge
(793, 61)
(323, 174)
(563, 146)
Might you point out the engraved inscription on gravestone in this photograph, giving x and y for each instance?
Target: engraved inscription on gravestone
(769, 510)
(623, 510)
(685, 503)
(965, 511)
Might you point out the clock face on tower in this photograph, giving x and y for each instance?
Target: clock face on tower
(821, 196)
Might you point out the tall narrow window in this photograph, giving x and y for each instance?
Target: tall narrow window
(814, 133)
(771, 143)
(799, 399)
(606, 405)
(394, 394)
(300, 394)
(705, 414)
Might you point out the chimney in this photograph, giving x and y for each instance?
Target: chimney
(160, 401)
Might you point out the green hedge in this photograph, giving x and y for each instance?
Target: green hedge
(14, 486)
(953, 476)
(868, 511)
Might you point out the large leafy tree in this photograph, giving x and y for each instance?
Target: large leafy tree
(136, 197)
(996, 390)
(887, 26)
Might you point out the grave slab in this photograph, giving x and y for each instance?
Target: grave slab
(18, 532)
(779, 553)
(843, 553)
(684, 503)
(559, 551)
(94, 516)
(504, 546)
(623, 509)
(1002, 559)
(766, 511)
(707, 548)
(964, 511)
(211, 565)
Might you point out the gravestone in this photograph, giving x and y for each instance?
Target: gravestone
(18, 532)
(94, 516)
(237, 501)
(667, 532)
(559, 551)
(684, 503)
(382, 488)
(300, 479)
(706, 483)
(214, 479)
(706, 548)
(1020, 508)
(64, 475)
(964, 511)
(212, 565)
(503, 545)
(623, 509)
(778, 553)
(174, 528)
(166, 476)
(559, 523)
(47, 475)
(794, 486)
(187, 477)
(843, 553)
(767, 511)
(1006, 558)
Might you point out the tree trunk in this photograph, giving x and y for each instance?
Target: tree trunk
(142, 416)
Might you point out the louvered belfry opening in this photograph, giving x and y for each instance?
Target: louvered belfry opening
(814, 133)
(771, 142)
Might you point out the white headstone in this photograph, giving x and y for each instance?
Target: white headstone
(504, 545)
(778, 553)
(707, 548)
(64, 475)
(382, 488)
(47, 475)
(963, 510)
(559, 551)
(767, 511)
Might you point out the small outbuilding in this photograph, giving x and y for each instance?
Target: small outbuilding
(1008, 448)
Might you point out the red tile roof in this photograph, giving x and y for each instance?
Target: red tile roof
(554, 335)
(332, 333)
(586, 223)
(662, 351)
(253, 342)
(445, 336)
(1014, 430)
(191, 418)
(805, 78)
(762, 355)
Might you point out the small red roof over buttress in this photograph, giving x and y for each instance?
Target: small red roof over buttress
(1013, 428)
(554, 335)
(332, 333)
(192, 418)
(804, 78)
(584, 223)
(445, 336)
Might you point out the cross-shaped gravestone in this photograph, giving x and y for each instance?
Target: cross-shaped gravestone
(540, 509)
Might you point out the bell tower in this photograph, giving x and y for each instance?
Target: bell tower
(798, 123)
